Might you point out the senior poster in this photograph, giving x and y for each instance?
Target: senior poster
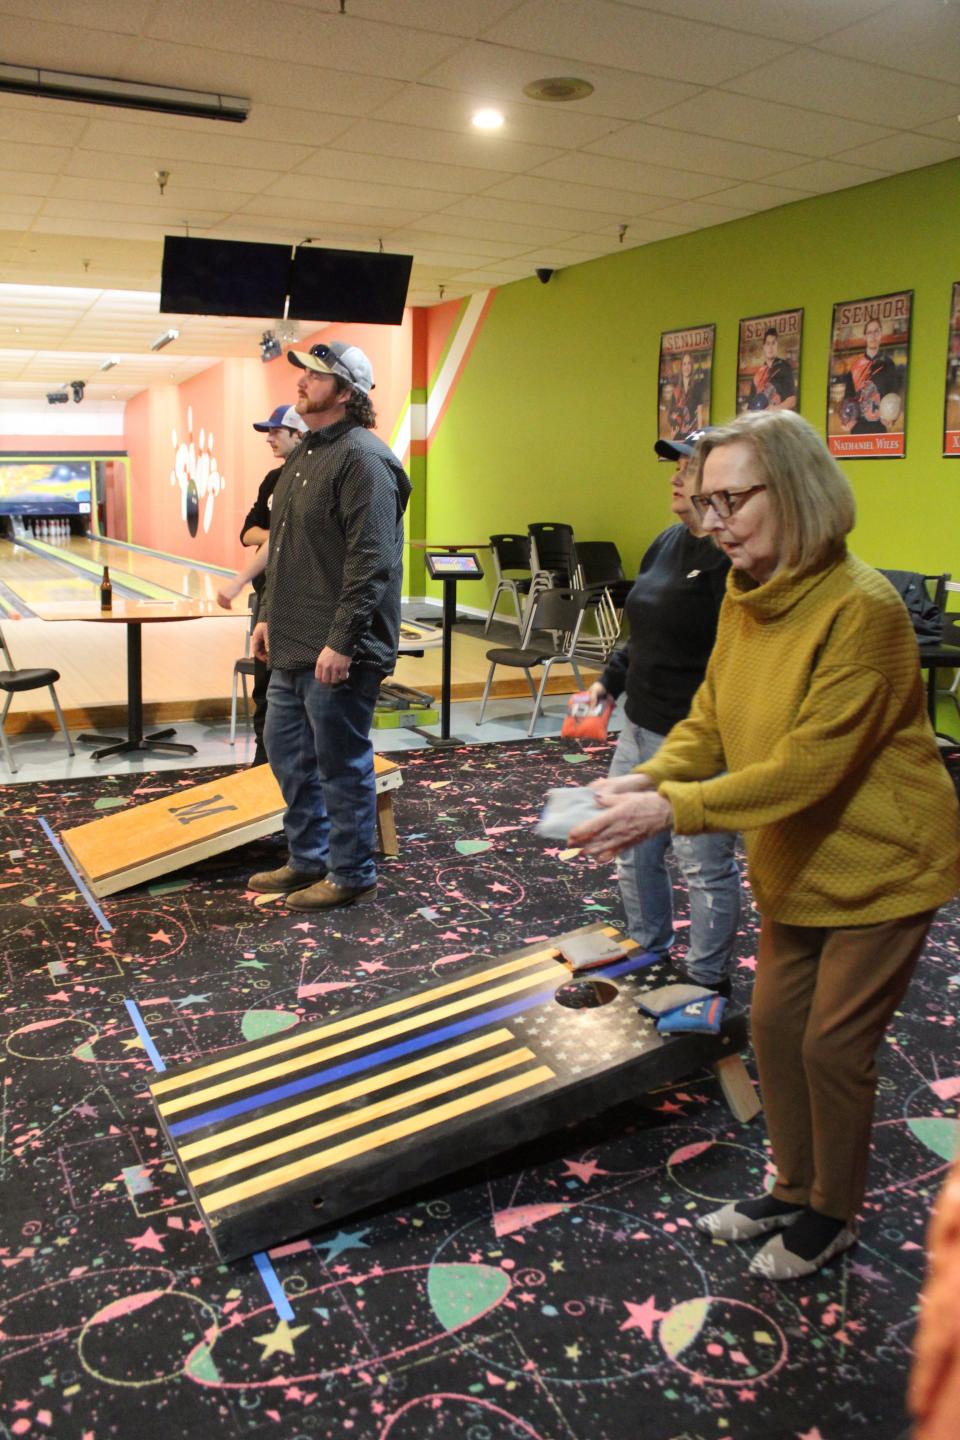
(951, 405)
(768, 362)
(686, 368)
(869, 359)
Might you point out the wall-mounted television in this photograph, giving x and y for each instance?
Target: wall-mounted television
(240, 277)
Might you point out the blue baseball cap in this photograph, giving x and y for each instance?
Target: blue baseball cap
(284, 417)
(673, 449)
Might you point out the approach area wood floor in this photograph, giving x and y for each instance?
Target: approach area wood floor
(188, 667)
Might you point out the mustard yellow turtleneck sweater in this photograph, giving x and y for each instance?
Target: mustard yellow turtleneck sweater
(813, 703)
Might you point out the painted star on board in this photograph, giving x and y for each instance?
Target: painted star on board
(279, 1341)
(583, 1169)
(643, 1317)
(192, 1000)
(344, 1240)
(161, 937)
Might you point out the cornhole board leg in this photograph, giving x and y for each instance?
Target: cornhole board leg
(738, 1089)
(146, 841)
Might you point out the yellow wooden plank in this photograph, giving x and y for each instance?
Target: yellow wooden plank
(374, 1140)
(309, 1034)
(245, 1081)
(407, 1100)
(237, 1134)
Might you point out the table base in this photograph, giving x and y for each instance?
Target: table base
(157, 741)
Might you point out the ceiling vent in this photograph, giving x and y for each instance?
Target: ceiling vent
(562, 87)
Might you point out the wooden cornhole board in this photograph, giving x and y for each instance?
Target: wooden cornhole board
(280, 1136)
(145, 841)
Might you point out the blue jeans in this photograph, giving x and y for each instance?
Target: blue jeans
(318, 740)
(707, 862)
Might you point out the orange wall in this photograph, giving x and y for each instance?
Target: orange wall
(224, 402)
(62, 444)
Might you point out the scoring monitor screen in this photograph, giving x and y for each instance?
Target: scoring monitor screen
(443, 566)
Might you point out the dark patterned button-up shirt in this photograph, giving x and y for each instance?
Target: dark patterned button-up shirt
(336, 551)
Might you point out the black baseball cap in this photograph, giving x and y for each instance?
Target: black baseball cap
(676, 449)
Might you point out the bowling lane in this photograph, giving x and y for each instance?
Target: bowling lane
(41, 571)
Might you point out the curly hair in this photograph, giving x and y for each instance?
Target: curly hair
(359, 406)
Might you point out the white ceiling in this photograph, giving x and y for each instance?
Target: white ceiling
(702, 111)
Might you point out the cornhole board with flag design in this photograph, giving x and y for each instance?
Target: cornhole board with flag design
(280, 1136)
(144, 841)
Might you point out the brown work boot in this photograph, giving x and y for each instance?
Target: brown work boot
(283, 881)
(325, 895)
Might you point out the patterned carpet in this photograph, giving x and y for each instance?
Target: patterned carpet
(560, 1294)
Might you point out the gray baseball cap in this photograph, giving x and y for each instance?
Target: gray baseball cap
(347, 361)
(675, 449)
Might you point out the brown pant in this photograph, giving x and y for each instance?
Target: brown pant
(821, 1002)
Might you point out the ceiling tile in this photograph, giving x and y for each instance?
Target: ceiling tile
(184, 174)
(699, 153)
(116, 137)
(840, 86)
(472, 227)
(500, 74)
(631, 39)
(945, 129)
(253, 28)
(35, 159)
(57, 45)
(796, 23)
(413, 142)
(731, 117)
(588, 168)
(822, 176)
(543, 124)
(922, 37)
(314, 190)
(489, 207)
(700, 213)
(117, 17)
(903, 152)
(559, 193)
(758, 196)
(110, 213)
(313, 218)
(394, 170)
(20, 182)
(450, 17)
(422, 236)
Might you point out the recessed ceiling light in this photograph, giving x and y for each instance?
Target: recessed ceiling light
(487, 119)
(558, 87)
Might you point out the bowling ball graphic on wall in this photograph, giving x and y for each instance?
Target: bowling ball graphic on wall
(197, 476)
(192, 500)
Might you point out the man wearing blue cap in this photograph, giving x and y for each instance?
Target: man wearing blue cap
(284, 431)
(329, 627)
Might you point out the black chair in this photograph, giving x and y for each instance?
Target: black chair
(510, 553)
(16, 682)
(552, 554)
(600, 568)
(242, 668)
(552, 612)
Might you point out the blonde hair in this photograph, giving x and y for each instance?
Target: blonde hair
(813, 505)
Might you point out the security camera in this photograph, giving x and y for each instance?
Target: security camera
(57, 397)
(76, 389)
(544, 275)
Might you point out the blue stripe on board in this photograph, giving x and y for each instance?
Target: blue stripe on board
(272, 1286)
(333, 1073)
(354, 1067)
(92, 904)
(152, 1052)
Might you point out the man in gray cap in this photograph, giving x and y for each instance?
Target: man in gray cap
(329, 628)
(284, 430)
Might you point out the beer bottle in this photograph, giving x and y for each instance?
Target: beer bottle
(106, 590)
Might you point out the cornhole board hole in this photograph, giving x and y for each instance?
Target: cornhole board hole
(278, 1137)
(144, 841)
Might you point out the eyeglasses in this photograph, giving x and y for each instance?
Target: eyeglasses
(723, 503)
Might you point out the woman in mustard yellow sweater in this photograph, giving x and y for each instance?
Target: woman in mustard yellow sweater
(810, 735)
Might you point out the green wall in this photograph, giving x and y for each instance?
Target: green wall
(555, 415)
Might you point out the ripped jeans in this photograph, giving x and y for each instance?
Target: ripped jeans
(707, 863)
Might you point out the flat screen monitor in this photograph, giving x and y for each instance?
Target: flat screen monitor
(46, 487)
(444, 566)
(223, 277)
(356, 285)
